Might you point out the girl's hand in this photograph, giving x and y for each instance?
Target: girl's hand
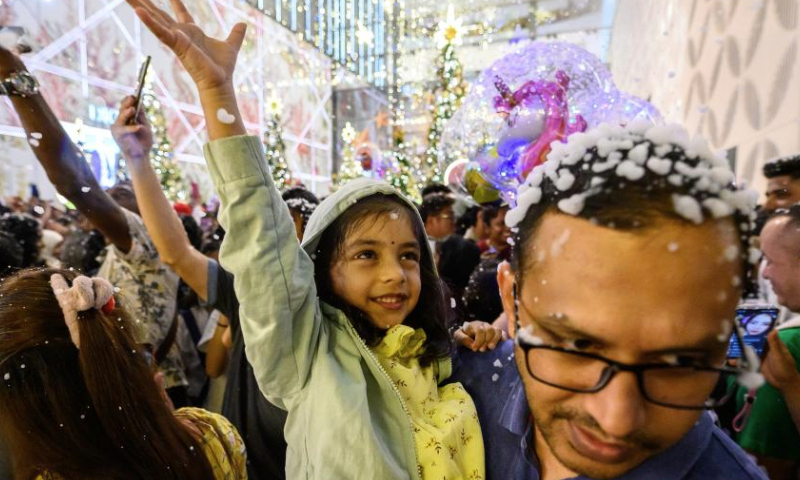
(135, 141)
(479, 336)
(210, 62)
(779, 366)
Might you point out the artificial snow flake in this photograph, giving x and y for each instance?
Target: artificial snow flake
(225, 116)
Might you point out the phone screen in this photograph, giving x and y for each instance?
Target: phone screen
(140, 88)
(756, 322)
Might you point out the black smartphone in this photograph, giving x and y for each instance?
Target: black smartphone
(756, 321)
(140, 88)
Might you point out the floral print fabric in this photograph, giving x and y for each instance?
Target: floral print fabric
(446, 429)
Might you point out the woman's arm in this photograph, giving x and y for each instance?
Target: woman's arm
(273, 277)
(163, 224)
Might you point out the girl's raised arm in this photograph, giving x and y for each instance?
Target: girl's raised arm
(273, 276)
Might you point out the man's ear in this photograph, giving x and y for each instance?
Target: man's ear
(506, 281)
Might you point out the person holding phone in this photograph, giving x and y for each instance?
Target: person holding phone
(772, 431)
(131, 262)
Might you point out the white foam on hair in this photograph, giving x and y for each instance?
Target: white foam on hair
(526, 335)
(630, 152)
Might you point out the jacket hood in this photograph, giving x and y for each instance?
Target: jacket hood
(347, 195)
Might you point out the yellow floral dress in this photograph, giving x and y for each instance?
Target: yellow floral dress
(220, 442)
(446, 429)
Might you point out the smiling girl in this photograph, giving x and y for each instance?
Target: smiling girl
(347, 333)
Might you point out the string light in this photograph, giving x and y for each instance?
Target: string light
(161, 156)
(350, 168)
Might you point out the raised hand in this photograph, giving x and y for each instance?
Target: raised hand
(479, 336)
(135, 141)
(210, 62)
(778, 366)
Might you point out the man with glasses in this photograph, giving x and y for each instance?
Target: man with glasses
(629, 255)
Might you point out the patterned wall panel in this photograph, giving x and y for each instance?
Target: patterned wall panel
(87, 60)
(723, 68)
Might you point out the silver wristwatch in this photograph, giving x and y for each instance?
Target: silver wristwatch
(19, 84)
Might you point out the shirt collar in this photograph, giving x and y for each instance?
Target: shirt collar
(678, 460)
(515, 416)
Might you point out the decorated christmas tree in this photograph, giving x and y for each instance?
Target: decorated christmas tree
(161, 156)
(400, 173)
(449, 93)
(350, 168)
(274, 147)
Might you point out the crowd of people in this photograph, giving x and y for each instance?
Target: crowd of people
(582, 333)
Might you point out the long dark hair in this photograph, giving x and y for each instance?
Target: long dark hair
(93, 412)
(431, 313)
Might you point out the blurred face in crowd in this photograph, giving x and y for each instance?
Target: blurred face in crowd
(481, 230)
(498, 231)
(782, 192)
(441, 225)
(632, 298)
(780, 244)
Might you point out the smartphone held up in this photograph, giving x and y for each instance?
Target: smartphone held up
(140, 88)
(756, 322)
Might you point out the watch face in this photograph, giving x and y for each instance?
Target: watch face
(24, 84)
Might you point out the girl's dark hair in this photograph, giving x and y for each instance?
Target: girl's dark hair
(431, 313)
(93, 412)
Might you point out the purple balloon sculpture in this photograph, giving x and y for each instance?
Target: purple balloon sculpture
(560, 89)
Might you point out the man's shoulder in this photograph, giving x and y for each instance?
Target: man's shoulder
(723, 459)
(491, 370)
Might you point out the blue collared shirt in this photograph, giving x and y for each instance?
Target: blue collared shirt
(492, 378)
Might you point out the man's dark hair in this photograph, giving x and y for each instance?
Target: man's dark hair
(11, 254)
(491, 211)
(81, 249)
(300, 192)
(193, 231)
(434, 204)
(302, 202)
(435, 188)
(27, 232)
(482, 295)
(630, 179)
(789, 165)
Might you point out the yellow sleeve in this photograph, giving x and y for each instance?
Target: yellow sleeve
(221, 443)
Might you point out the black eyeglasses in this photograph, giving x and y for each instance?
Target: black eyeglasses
(686, 387)
(678, 386)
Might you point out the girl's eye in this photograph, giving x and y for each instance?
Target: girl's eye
(365, 255)
(413, 256)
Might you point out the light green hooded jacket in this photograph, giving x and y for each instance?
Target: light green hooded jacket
(346, 418)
